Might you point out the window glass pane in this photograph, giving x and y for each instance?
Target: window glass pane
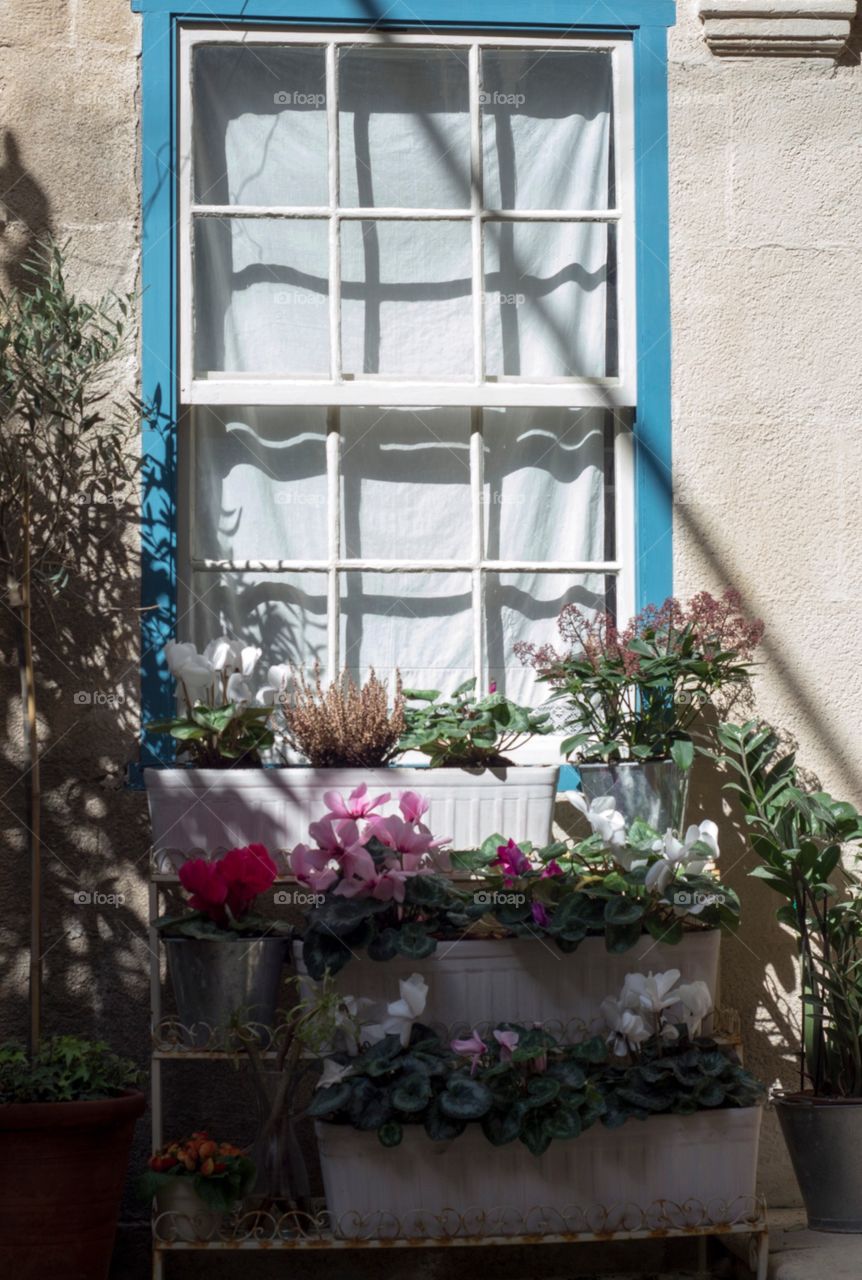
(417, 622)
(405, 484)
(261, 295)
(546, 129)
(547, 476)
(524, 606)
(404, 128)
(549, 301)
(406, 298)
(260, 125)
(284, 613)
(259, 481)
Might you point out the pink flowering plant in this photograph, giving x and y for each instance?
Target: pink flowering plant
(382, 880)
(523, 1084)
(635, 694)
(619, 883)
(221, 893)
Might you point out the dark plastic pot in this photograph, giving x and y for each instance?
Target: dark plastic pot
(62, 1169)
(824, 1138)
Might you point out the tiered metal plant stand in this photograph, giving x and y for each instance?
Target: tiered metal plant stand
(262, 1231)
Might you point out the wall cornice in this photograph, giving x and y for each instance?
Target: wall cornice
(776, 28)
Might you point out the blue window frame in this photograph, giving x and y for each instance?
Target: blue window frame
(645, 21)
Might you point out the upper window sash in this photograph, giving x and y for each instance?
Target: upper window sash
(219, 387)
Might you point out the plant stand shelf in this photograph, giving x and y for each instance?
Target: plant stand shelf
(477, 1229)
(265, 1232)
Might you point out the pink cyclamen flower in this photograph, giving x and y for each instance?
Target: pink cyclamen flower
(335, 836)
(508, 1042)
(310, 867)
(473, 1048)
(400, 836)
(552, 868)
(492, 687)
(357, 805)
(413, 806)
(540, 915)
(511, 860)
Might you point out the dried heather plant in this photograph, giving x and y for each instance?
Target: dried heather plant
(346, 724)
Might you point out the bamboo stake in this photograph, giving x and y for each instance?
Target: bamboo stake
(32, 781)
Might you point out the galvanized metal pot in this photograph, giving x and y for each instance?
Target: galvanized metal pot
(186, 1217)
(654, 790)
(221, 980)
(824, 1138)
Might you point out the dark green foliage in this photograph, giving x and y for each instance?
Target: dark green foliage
(65, 1069)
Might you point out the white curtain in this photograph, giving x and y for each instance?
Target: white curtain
(258, 475)
(261, 285)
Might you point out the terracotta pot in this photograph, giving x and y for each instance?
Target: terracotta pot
(62, 1170)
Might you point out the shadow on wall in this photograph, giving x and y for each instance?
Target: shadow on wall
(25, 212)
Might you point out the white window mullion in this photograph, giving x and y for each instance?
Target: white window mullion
(334, 223)
(477, 483)
(476, 226)
(333, 510)
(624, 518)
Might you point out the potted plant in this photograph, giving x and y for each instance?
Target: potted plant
(337, 737)
(514, 1116)
(192, 1183)
(67, 1106)
(67, 1117)
(498, 942)
(630, 698)
(800, 836)
(225, 960)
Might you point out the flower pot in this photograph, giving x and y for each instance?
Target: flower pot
(61, 1178)
(706, 1160)
(212, 809)
(217, 981)
(654, 790)
(824, 1138)
(525, 979)
(189, 1219)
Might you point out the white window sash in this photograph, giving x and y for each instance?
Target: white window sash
(222, 387)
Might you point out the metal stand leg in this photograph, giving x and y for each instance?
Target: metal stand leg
(158, 1265)
(760, 1250)
(702, 1258)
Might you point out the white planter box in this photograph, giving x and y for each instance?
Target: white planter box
(526, 979)
(210, 810)
(705, 1162)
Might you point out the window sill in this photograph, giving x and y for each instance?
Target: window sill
(777, 28)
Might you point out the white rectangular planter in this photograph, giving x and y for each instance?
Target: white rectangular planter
(703, 1166)
(210, 810)
(526, 979)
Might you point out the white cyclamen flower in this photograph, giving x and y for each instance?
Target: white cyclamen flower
(627, 1029)
(276, 682)
(602, 815)
(179, 655)
(333, 1073)
(652, 993)
(401, 1014)
(238, 690)
(694, 1002)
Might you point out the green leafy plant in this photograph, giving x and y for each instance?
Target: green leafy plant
(522, 1084)
(635, 694)
(221, 1174)
(66, 470)
(465, 731)
(64, 1069)
(800, 835)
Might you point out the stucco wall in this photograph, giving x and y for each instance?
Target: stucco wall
(765, 177)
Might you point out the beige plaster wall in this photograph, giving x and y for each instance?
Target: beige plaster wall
(766, 166)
